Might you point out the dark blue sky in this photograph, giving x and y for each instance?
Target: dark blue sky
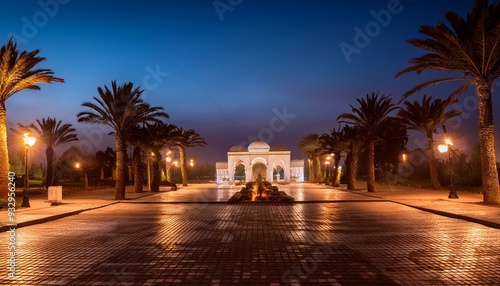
(225, 74)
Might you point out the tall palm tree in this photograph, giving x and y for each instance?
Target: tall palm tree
(389, 153)
(17, 72)
(426, 117)
(334, 143)
(120, 108)
(312, 147)
(86, 162)
(51, 133)
(372, 116)
(106, 161)
(187, 139)
(157, 137)
(354, 143)
(136, 137)
(469, 47)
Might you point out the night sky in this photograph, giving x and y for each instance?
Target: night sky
(247, 69)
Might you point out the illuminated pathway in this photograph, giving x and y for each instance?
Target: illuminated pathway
(338, 243)
(215, 193)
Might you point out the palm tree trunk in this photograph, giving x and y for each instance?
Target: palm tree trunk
(121, 153)
(352, 168)
(182, 154)
(155, 172)
(4, 152)
(491, 187)
(317, 169)
(49, 177)
(169, 170)
(336, 177)
(136, 165)
(310, 166)
(348, 167)
(432, 163)
(370, 168)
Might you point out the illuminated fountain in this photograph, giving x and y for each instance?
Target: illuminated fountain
(260, 191)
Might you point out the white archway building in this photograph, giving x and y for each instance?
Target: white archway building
(276, 159)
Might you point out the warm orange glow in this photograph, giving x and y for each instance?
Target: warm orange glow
(443, 148)
(29, 141)
(448, 141)
(169, 159)
(404, 157)
(191, 162)
(77, 165)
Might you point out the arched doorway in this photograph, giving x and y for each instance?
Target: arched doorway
(278, 173)
(239, 171)
(259, 168)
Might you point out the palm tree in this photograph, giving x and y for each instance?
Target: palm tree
(389, 153)
(157, 137)
(106, 161)
(469, 47)
(372, 116)
(312, 147)
(426, 117)
(187, 139)
(81, 161)
(120, 108)
(52, 134)
(354, 143)
(17, 73)
(136, 137)
(334, 143)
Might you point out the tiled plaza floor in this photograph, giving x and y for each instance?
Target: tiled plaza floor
(338, 243)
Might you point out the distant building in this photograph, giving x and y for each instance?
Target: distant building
(273, 163)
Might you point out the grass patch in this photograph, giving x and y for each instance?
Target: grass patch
(4, 204)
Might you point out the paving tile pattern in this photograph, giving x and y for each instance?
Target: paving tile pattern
(349, 243)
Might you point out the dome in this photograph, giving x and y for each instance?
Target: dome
(238, 148)
(279, 148)
(258, 146)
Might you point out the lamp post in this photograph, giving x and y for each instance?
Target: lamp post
(149, 171)
(168, 159)
(174, 164)
(327, 167)
(29, 141)
(446, 148)
(78, 166)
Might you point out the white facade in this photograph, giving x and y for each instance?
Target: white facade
(260, 154)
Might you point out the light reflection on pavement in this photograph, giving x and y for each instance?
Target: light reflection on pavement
(221, 193)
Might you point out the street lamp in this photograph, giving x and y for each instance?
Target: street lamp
(446, 148)
(191, 163)
(327, 163)
(29, 141)
(78, 166)
(149, 171)
(167, 160)
(174, 186)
